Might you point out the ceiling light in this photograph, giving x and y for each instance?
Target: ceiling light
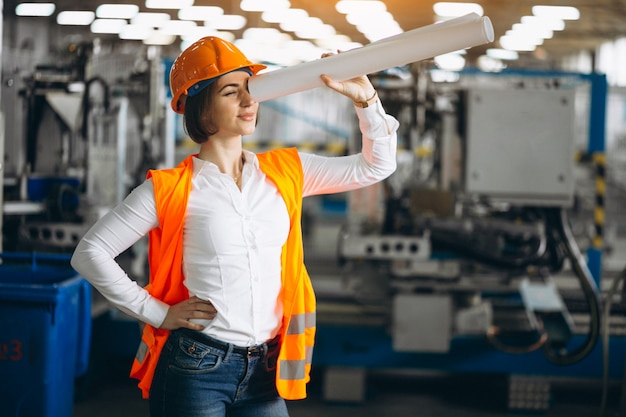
(263, 5)
(515, 43)
(201, 32)
(504, 54)
(320, 31)
(107, 26)
(76, 18)
(168, 4)
(375, 33)
(34, 9)
(371, 18)
(450, 62)
(150, 19)
(526, 30)
(338, 42)
(524, 38)
(294, 19)
(266, 35)
(117, 11)
(227, 22)
(559, 12)
(178, 27)
(197, 33)
(453, 9)
(360, 6)
(159, 38)
(136, 32)
(200, 13)
(544, 22)
(275, 16)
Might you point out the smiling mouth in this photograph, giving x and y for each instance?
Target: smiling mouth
(247, 116)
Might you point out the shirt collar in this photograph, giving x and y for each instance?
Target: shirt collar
(202, 167)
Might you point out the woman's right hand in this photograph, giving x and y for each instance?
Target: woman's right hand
(179, 315)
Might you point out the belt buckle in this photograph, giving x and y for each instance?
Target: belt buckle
(254, 351)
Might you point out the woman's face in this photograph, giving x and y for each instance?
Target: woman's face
(234, 110)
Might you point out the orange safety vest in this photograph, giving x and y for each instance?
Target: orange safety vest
(171, 193)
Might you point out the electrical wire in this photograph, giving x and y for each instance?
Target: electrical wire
(606, 316)
(492, 337)
(558, 218)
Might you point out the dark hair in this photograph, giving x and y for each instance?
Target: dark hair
(197, 118)
(198, 115)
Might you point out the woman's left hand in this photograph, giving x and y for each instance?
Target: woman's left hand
(358, 89)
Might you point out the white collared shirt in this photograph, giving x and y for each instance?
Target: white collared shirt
(232, 238)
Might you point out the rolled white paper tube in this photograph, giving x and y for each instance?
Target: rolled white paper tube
(405, 48)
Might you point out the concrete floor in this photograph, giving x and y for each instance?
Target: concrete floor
(387, 394)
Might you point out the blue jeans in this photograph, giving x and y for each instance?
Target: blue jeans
(198, 376)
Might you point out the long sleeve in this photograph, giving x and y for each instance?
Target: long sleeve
(95, 256)
(375, 162)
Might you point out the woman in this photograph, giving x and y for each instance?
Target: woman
(229, 312)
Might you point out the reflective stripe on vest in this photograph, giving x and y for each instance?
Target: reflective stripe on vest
(142, 351)
(300, 322)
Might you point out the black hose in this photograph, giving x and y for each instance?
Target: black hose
(556, 354)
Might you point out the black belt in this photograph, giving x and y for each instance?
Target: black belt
(249, 351)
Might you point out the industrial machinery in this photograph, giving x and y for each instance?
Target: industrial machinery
(83, 133)
(468, 261)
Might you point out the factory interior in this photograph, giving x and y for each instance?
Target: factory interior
(484, 277)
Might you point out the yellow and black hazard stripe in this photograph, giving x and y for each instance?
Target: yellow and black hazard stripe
(599, 162)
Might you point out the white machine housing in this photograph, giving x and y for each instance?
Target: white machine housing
(520, 145)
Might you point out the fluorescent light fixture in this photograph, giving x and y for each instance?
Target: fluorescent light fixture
(117, 11)
(503, 54)
(157, 37)
(303, 50)
(201, 32)
(454, 9)
(263, 5)
(34, 9)
(318, 31)
(108, 26)
(338, 42)
(275, 16)
(150, 19)
(532, 32)
(168, 4)
(375, 33)
(370, 17)
(450, 62)
(200, 13)
(76, 18)
(266, 35)
(178, 27)
(553, 24)
(294, 19)
(136, 32)
(523, 37)
(375, 26)
(515, 43)
(227, 22)
(559, 12)
(360, 6)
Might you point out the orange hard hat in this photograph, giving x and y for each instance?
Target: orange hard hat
(204, 59)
